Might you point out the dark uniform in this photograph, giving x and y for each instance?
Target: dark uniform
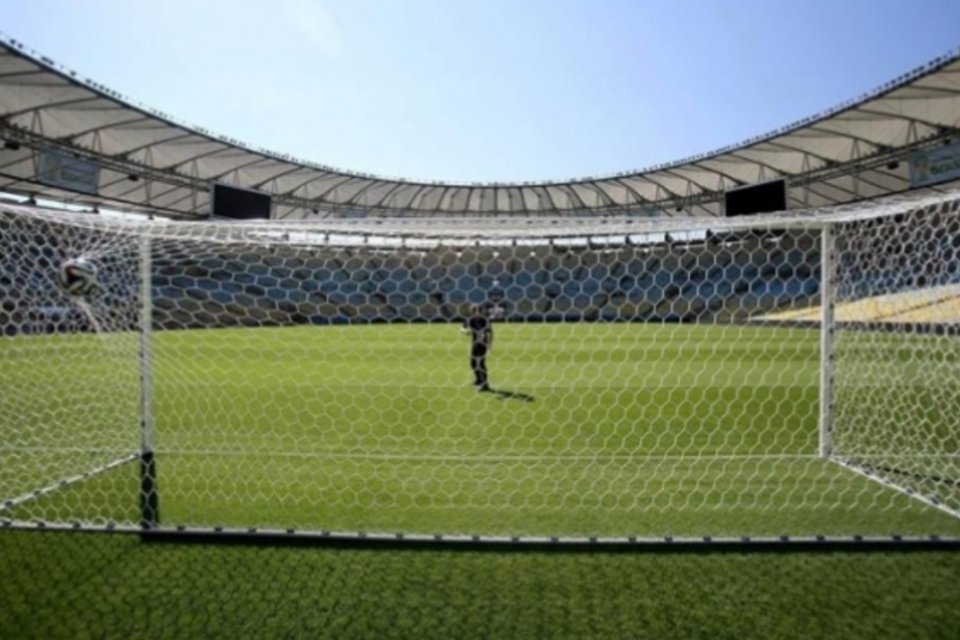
(481, 337)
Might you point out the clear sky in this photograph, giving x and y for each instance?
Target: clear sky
(488, 90)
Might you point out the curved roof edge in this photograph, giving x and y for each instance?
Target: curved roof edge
(842, 154)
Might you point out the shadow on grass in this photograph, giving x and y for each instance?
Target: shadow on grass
(504, 394)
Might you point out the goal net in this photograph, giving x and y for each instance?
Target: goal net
(572, 378)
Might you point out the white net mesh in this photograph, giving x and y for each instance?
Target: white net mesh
(647, 378)
(897, 348)
(69, 373)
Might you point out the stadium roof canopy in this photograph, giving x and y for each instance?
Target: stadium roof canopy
(149, 160)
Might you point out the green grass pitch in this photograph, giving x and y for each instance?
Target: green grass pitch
(618, 439)
(67, 585)
(597, 430)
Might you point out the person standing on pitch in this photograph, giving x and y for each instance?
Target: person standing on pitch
(477, 324)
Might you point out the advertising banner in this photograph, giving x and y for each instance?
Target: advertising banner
(66, 171)
(938, 164)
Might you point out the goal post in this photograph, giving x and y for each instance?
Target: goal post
(827, 328)
(149, 498)
(793, 374)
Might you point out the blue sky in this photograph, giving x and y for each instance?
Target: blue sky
(493, 90)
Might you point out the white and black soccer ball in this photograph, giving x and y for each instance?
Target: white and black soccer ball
(77, 277)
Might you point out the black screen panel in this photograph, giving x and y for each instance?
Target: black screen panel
(240, 204)
(756, 198)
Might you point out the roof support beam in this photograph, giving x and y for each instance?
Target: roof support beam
(79, 134)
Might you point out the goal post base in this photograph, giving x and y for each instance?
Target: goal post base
(882, 475)
(149, 499)
(8, 504)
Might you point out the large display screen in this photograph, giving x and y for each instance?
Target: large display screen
(240, 204)
(756, 198)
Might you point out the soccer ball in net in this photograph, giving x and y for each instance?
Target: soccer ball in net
(77, 277)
